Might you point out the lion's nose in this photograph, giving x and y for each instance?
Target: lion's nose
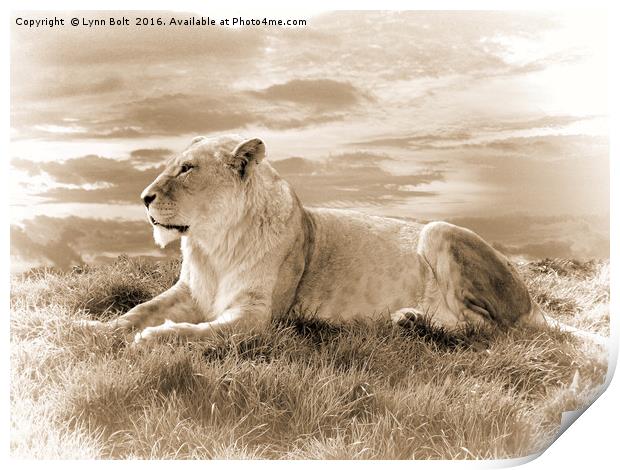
(148, 199)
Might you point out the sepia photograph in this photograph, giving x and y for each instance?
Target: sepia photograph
(374, 235)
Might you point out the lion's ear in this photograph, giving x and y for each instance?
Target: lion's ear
(246, 156)
(195, 140)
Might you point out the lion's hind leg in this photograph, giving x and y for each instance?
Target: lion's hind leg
(469, 278)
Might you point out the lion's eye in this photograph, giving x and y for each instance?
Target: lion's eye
(186, 167)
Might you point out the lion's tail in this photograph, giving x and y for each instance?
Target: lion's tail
(538, 317)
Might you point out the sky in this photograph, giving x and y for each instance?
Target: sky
(496, 121)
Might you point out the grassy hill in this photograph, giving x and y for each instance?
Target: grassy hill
(301, 389)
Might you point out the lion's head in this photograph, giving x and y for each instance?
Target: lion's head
(204, 185)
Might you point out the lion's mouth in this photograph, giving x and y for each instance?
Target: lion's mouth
(180, 228)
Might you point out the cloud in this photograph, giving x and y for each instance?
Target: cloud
(64, 242)
(545, 249)
(64, 88)
(159, 115)
(535, 237)
(545, 147)
(82, 170)
(285, 120)
(546, 121)
(552, 183)
(154, 155)
(320, 93)
(59, 253)
(419, 141)
(409, 45)
(180, 114)
(353, 179)
(98, 179)
(458, 138)
(553, 174)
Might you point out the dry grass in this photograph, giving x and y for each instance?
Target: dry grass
(301, 389)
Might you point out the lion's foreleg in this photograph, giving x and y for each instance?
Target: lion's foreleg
(175, 304)
(235, 318)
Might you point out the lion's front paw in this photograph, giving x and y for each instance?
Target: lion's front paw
(406, 316)
(94, 324)
(154, 333)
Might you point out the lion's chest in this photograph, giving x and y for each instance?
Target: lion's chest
(213, 286)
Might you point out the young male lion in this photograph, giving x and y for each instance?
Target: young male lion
(251, 250)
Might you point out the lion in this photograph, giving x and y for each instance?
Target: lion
(252, 251)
